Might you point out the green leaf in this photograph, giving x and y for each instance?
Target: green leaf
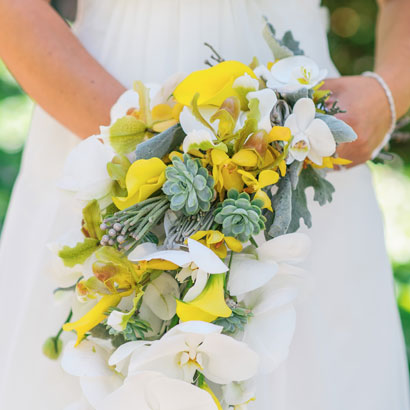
(118, 168)
(279, 51)
(92, 220)
(162, 144)
(323, 193)
(126, 133)
(236, 322)
(282, 207)
(293, 45)
(79, 253)
(341, 131)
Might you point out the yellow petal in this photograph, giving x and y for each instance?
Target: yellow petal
(262, 195)
(233, 244)
(268, 177)
(214, 84)
(136, 181)
(209, 305)
(282, 168)
(198, 235)
(95, 316)
(160, 264)
(231, 177)
(279, 134)
(164, 125)
(218, 156)
(249, 179)
(162, 112)
(214, 237)
(246, 158)
(220, 250)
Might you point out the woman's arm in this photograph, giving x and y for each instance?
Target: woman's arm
(368, 111)
(54, 68)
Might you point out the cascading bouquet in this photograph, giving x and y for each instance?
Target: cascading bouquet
(183, 272)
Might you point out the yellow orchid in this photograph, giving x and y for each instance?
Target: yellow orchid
(209, 305)
(95, 316)
(144, 177)
(329, 162)
(165, 116)
(225, 172)
(214, 85)
(218, 242)
(255, 185)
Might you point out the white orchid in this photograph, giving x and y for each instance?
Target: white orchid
(201, 139)
(292, 73)
(266, 101)
(153, 391)
(238, 395)
(89, 362)
(198, 262)
(246, 82)
(190, 347)
(85, 170)
(312, 137)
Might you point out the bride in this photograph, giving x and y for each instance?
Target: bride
(348, 351)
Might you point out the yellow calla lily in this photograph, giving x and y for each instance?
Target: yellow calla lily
(95, 316)
(209, 305)
(214, 85)
(144, 177)
(218, 242)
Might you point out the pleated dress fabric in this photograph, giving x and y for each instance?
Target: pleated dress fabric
(348, 351)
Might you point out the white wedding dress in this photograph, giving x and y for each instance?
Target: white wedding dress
(348, 351)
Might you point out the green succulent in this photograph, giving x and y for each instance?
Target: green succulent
(189, 187)
(240, 216)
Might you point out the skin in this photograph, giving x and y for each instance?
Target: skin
(363, 98)
(70, 84)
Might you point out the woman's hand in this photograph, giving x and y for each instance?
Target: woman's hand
(367, 112)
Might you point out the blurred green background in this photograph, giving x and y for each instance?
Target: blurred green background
(351, 38)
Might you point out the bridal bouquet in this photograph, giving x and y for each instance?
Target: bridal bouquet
(183, 271)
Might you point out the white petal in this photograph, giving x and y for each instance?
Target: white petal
(237, 393)
(270, 335)
(96, 389)
(88, 359)
(150, 390)
(124, 351)
(283, 70)
(292, 124)
(248, 274)
(129, 99)
(166, 90)
(305, 111)
(189, 123)
(291, 248)
(198, 287)
(180, 258)
(79, 405)
(194, 326)
(145, 313)
(196, 138)
(267, 99)
(321, 138)
(291, 270)
(205, 259)
(160, 296)
(141, 251)
(227, 360)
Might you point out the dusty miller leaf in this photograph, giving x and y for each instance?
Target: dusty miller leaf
(341, 131)
(289, 41)
(162, 144)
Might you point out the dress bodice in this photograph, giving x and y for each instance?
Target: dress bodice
(152, 39)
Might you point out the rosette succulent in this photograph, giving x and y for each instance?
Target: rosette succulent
(240, 216)
(188, 186)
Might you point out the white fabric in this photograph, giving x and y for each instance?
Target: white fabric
(348, 351)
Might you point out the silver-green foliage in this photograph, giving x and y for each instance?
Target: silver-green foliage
(239, 216)
(189, 186)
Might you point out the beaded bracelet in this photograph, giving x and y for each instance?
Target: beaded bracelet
(392, 105)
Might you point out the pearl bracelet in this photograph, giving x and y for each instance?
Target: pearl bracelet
(392, 105)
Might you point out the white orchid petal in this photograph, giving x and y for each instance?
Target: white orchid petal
(305, 111)
(189, 123)
(227, 360)
(198, 287)
(145, 313)
(283, 70)
(292, 124)
(205, 258)
(194, 326)
(86, 360)
(142, 251)
(286, 269)
(150, 390)
(124, 351)
(270, 335)
(195, 138)
(273, 298)
(165, 91)
(79, 405)
(248, 274)
(321, 138)
(160, 296)
(291, 248)
(237, 393)
(180, 258)
(129, 99)
(267, 99)
(96, 389)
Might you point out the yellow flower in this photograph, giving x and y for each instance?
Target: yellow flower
(329, 162)
(209, 305)
(265, 178)
(214, 85)
(95, 316)
(225, 172)
(218, 242)
(279, 134)
(247, 158)
(144, 177)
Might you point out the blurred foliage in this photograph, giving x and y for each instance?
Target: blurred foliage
(351, 42)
